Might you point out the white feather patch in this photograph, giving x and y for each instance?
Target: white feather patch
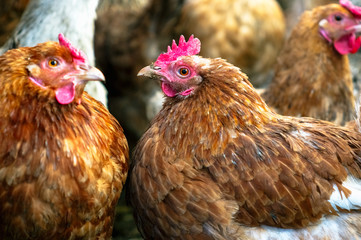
(332, 227)
(353, 201)
(329, 227)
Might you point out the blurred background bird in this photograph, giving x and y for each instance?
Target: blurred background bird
(312, 75)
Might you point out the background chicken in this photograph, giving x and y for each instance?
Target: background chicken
(44, 19)
(295, 8)
(248, 33)
(63, 156)
(312, 75)
(217, 163)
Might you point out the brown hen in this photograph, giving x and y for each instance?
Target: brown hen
(63, 156)
(217, 163)
(312, 75)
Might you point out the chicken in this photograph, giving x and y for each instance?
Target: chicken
(63, 156)
(218, 163)
(44, 19)
(312, 75)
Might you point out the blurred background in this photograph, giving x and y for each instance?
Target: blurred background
(127, 35)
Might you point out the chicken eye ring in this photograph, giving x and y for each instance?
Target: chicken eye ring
(53, 63)
(183, 72)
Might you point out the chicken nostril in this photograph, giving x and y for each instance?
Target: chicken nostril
(84, 67)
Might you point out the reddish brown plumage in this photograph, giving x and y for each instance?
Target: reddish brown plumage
(311, 78)
(219, 164)
(62, 167)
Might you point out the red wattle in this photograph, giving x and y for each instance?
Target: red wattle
(168, 90)
(347, 44)
(66, 94)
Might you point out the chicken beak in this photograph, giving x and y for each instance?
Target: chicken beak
(356, 29)
(72, 85)
(149, 72)
(89, 73)
(146, 72)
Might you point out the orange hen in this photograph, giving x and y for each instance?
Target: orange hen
(63, 156)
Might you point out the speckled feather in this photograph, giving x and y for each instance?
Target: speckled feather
(219, 164)
(311, 78)
(62, 167)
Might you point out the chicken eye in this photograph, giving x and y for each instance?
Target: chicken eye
(53, 63)
(183, 72)
(338, 17)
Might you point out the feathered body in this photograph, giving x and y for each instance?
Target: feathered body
(313, 77)
(62, 166)
(217, 163)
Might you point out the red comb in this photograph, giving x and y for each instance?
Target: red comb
(76, 53)
(192, 47)
(354, 9)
